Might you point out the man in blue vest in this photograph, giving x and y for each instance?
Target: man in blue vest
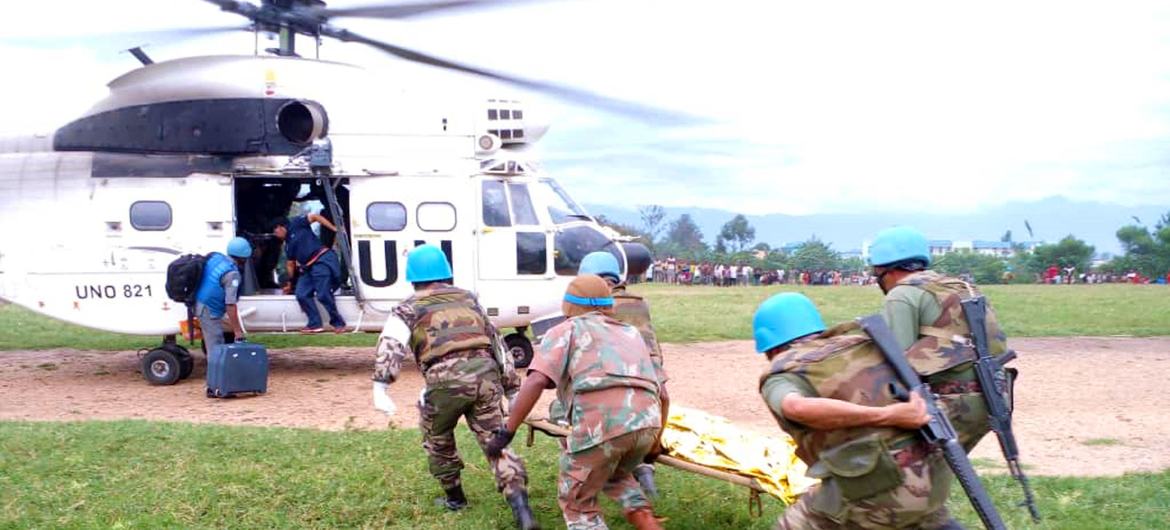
(315, 266)
(219, 291)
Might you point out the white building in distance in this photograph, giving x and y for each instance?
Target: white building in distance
(999, 249)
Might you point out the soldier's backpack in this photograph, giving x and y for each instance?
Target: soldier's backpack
(183, 277)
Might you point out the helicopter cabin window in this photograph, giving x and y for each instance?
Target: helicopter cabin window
(531, 253)
(495, 204)
(386, 216)
(150, 216)
(435, 216)
(522, 210)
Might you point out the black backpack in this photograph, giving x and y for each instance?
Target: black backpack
(183, 277)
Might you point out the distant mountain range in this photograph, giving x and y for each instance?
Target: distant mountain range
(1051, 219)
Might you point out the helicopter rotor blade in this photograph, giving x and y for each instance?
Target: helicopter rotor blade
(127, 37)
(400, 11)
(638, 111)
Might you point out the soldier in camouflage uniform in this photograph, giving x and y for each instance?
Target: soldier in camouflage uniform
(922, 309)
(628, 308)
(829, 390)
(454, 344)
(603, 371)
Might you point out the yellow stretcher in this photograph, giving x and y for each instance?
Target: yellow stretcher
(697, 442)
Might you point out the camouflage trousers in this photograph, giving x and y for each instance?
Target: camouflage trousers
(913, 504)
(606, 467)
(468, 388)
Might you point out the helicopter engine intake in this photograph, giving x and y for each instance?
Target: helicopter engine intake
(302, 122)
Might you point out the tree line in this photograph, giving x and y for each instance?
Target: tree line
(1146, 250)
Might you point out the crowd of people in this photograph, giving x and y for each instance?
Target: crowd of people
(685, 272)
(1069, 275)
(673, 271)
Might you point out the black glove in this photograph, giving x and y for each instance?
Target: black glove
(499, 441)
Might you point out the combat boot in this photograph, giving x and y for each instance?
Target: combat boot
(522, 512)
(643, 519)
(644, 474)
(455, 499)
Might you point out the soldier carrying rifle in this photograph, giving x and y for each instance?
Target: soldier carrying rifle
(830, 390)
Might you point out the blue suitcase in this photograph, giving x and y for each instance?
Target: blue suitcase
(235, 368)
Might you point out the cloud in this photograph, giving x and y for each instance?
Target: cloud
(841, 107)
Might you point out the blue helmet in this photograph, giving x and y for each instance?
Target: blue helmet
(783, 318)
(239, 247)
(899, 243)
(602, 264)
(427, 263)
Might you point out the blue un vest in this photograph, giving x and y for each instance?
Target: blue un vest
(210, 291)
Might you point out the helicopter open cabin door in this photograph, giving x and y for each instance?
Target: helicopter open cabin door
(513, 242)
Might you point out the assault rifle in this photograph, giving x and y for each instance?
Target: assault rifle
(938, 432)
(991, 381)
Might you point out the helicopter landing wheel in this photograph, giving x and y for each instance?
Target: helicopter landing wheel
(161, 367)
(521, 349)
(186, 365)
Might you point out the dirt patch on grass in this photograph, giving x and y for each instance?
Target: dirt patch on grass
(1073, 393)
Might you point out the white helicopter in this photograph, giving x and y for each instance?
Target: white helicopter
(183, 155)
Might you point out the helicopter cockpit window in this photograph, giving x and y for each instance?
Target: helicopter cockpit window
(522, 210)
(495, 204)
(386, 216)
(150, 215)
(574, 243)
(435, 217)
(561, 207)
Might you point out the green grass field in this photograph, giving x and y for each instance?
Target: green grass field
(696, 314)
(691, 314)
(159, 475)
(135, 474)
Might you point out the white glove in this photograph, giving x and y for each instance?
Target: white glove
(382, 400)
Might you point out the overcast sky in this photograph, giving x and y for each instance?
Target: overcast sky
(815, 107)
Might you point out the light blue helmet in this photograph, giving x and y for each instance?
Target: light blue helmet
(427, 263)
(602, 264)
(899, 243)
(783, 318)
(239, 247)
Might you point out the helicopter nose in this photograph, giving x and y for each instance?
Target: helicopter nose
(638, 258)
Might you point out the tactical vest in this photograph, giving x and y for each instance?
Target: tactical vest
(844, 366)
(211, 293)
(633, 310)
(946, 343)
(617, 362)
(448, 320)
